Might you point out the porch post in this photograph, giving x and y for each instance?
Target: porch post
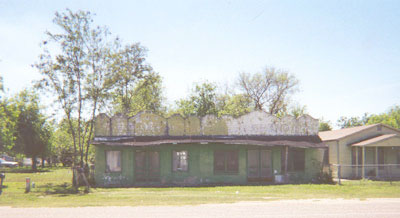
(286, 158)
(338, 161)
(376, 162)
(357, 167)
(363, 162)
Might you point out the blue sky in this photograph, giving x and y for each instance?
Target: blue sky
(346, 54)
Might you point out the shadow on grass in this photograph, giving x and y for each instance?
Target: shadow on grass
(64, 189)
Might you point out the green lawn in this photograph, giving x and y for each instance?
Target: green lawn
(53, 189)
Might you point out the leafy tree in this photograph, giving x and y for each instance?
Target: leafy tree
(297, 110)
(1, 82)
(33, 132)
(269, 90)
(344, 122)
(185, 107)
(130, 69)
(146, 95)
(234, 105)
(202, 101)
(324, 125)
(62, 142)
(81, 66)
(9, 114)
(390, 118)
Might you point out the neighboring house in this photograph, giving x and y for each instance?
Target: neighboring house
(364, 151)
(148, 149)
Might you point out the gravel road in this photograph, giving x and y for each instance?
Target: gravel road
(284, 208)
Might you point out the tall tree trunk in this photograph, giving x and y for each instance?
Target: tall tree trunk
(80, 141)
(34, 168)
(90, 132)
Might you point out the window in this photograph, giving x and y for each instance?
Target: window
(326, 157)
(226, 161)
(180, 161)
(113, 161)
(296, 160)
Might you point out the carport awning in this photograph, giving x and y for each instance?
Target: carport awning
(388, 140)
(306, 141)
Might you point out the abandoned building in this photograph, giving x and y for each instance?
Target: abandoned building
(371, 151)
(148, 149)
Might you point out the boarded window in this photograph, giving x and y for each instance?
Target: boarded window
(180, 161)
(232, 159)
(296, 160)
(113, 160)
(226, 161)
(219, 161)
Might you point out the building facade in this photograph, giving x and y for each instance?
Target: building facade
(150, 150)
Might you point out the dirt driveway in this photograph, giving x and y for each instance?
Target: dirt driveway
(285, 208)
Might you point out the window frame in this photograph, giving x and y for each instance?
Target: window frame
(291, 164)
(173, 154)
(226, 154)
(106, 161)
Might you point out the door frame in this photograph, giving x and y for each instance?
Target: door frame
(259, 178)
(146, 177)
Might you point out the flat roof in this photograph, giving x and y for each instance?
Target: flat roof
(313, 141)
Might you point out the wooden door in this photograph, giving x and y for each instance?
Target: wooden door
(147, 166)
(259, 165)
(253, 163)
(265, 164)
(153, 166)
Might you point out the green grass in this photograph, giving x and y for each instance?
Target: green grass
(53, 189)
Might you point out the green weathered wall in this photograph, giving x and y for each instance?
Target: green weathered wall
(176, 125)
(122, 178)
(149, 124)
(200, 168)
(313, 166)
(213, 125)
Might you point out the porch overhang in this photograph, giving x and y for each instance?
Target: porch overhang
(387, 140)
(312, 141)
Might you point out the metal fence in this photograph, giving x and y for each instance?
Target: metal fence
(385, 172)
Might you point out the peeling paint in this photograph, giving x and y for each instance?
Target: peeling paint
(192, 125)
(213, 125)
(254, 123)
(119, 125)
(176, 125)
(109, 180)
(149, 124)
(102, 125)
